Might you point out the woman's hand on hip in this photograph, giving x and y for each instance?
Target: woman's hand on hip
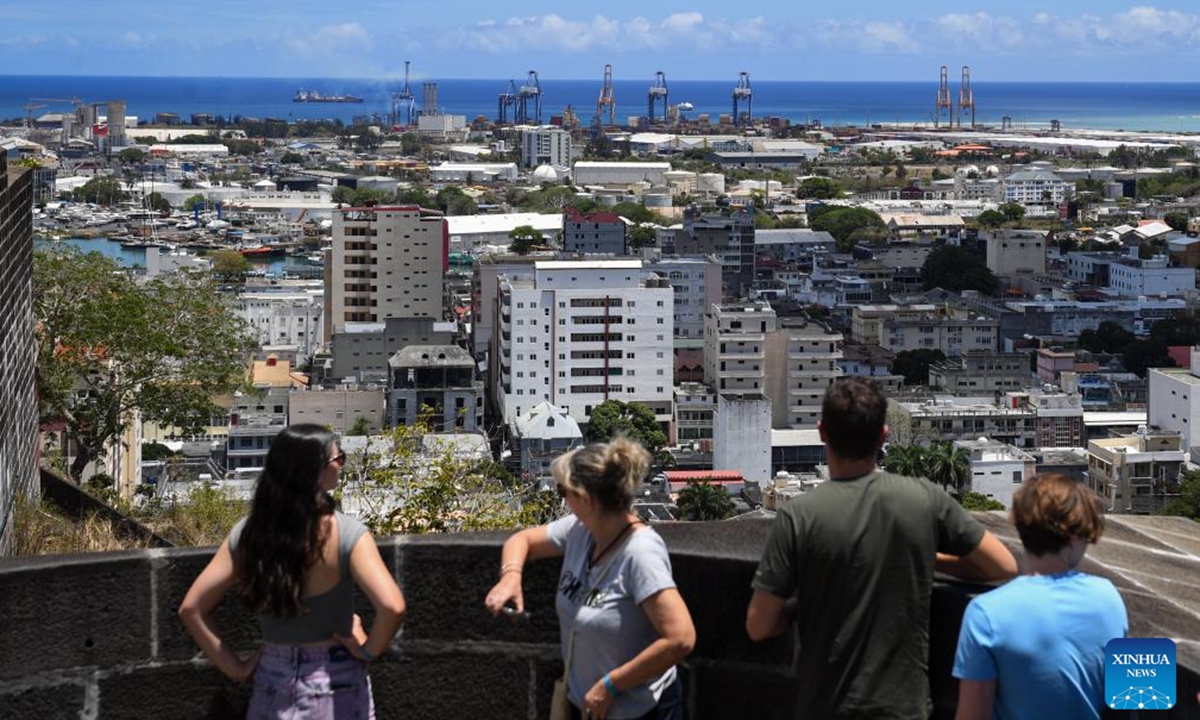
(244, 668)
(598, 701)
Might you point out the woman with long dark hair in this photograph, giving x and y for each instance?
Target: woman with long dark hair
(623, 624)
(294, 560)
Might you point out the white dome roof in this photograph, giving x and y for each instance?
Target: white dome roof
(545, 173)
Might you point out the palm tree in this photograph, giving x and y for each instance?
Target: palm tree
(704, 501)
(907, 460)
(948, 466)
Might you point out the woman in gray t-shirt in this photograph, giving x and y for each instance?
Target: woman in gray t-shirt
(624, 625)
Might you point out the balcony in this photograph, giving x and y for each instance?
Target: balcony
(97, 635)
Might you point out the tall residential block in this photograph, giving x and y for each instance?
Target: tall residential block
(580, 332)
(386, 262)
(599, 233)
(729, 237)
(735, 339)
(18, 405)
(545, 146)
(801, 361)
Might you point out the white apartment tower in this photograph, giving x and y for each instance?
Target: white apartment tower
(577, 333)
(545, 146)
(387, 262)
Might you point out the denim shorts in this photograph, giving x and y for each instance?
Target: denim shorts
(301, 683)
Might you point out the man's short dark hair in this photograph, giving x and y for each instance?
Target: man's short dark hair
(853, 415)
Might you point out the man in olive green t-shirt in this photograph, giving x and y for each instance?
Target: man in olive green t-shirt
(851, 562)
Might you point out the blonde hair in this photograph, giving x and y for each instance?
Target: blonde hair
(609, 472)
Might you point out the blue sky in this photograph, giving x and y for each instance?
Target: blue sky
(1098, 40)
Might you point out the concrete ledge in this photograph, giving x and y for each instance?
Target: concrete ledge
(97, 635)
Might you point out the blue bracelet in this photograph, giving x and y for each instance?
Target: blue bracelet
(608, 685)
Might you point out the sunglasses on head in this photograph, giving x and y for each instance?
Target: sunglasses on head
(339, 459)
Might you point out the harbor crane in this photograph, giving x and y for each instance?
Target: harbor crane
(943, 98)
(529, 101)
(505, 102)
(404, 103)
(966, 97)
(607, 102)
(743, 93)
(657, 91)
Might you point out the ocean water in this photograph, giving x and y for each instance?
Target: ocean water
(136, 257)
(1164, 107)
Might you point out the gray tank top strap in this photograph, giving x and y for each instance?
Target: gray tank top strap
(350, 531)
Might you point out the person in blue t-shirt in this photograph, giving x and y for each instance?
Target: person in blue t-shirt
(1034, 648)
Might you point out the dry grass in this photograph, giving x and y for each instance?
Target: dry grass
(40, 529)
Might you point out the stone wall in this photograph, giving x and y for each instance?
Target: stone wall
(97, 636)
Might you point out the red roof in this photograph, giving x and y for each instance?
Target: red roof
(597, 217)
(716, 476)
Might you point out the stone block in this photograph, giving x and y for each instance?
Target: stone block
(451, 685)
(179, 691)
(719, 691)
(445, 584)
(63, 612)
(717, 593)
(175, 573)
(55, 702)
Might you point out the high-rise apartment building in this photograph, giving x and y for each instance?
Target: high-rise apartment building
(735, 340)
(579, 332)
(545, 146)
(801, 361)
(18, 405)
(729, 237)
(386, 262)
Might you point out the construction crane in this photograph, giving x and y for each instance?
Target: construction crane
(657, 91)
(529, 94)
(404, 103)
(943, 98)
(506, 101)
(607, 102)
(743, 93)
(966, 97)
(29, 108)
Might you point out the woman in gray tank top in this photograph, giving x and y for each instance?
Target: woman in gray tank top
(623, 624)
(294, 560)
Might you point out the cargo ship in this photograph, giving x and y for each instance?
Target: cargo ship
(312, 96)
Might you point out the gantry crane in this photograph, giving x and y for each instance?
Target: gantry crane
(506, 100)
(607, 102)
(966, 97)
(943, 98)
(529, 94)
(657, 91)
(743, 93)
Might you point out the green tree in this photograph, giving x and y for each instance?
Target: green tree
(639, 236)
(914, 364)
(101, 190)
(410, 143)
(635, 420)
(992, 219)
(523, 238)
(361, 426)
(635, 212)
(109, 346)
(1013, 211)
(230, 265)
(819, 188)
(703, 500)
(132, 156)
(292, 158)
(1108, 337)
(409, 486)
(842, 222)
(1183, 329)
(195, 201)
(1141, 355)
(948, 466)
(158, 203)
(1177, 220)
(980, 502)
(1188, 503)
(908, 460)
(955, 269)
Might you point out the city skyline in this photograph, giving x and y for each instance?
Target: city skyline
(1102, 40)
